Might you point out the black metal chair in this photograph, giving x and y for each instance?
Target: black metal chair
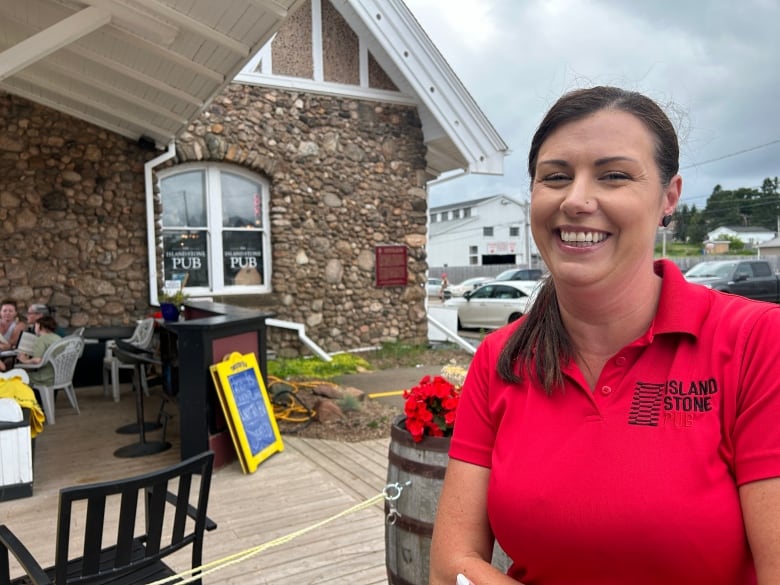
(132, 552)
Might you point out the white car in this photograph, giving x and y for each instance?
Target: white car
(458, 290)
(494, 304)
(433, 287)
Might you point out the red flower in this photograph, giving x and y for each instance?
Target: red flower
(430, 408)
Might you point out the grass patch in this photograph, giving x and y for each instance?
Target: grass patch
(394, 355)
(296, 368)
(389, 355)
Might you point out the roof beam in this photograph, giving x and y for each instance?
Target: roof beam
(172, 56)
(91, 84)
(136, 75)
(128, 12)
(55, 37)
(137, 22)
(144, 124)
(80, 50)
(271, 6)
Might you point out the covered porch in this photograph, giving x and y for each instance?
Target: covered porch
(308, 482)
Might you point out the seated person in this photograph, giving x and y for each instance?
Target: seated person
(35, 312)
(10, 326)
(38, 310)
(45, 328)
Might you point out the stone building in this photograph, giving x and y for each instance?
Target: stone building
(280, 193)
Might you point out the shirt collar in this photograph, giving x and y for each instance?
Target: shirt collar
(682, 305)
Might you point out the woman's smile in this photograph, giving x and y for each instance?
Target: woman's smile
(580, 238)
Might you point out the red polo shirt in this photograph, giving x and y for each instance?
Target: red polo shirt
(635, 482)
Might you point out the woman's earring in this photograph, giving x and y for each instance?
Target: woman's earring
(666, 220)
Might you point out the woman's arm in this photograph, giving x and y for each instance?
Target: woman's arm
(6, 345)
(462, 539)
(27, 359)
(761, 513)
(13, 340)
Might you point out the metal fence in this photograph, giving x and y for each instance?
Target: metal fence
(460, 273)
(457, 274)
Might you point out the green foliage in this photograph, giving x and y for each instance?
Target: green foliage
(735, 244)
(177, 298)
(389, 355)
(747, 207)
(397, 352)
(403, 355)
(383, 422)
(314, 367)
(348, 403)
(678, 249)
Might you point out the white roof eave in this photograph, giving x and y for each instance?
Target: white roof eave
(141, 69)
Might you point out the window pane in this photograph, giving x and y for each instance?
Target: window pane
(186, 252)
(184, 200)
(242, 255)
(242, 202)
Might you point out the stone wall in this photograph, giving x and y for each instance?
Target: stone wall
(72, 216)
(346, 175)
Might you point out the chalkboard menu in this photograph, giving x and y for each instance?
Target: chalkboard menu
(247, 409)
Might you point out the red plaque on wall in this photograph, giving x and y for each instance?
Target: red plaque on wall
(391, 266)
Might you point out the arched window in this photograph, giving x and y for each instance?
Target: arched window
(215, 229)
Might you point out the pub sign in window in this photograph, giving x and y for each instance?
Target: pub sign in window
(242, 258)
(186, 252)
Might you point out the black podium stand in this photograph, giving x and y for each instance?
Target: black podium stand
(188, 348)
(143, 447)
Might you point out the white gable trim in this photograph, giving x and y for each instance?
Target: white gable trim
(456, 132)
(411, 51)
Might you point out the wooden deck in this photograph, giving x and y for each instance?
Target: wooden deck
(310, 481)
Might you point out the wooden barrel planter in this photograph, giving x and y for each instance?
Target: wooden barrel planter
(408, 533)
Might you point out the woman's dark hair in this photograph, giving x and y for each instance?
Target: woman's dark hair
(11, 302)
(47, 322)
(541, 345)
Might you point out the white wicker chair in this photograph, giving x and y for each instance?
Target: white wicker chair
(142, 337)
(62, 355)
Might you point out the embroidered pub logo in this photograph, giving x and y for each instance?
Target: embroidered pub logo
(678, 400)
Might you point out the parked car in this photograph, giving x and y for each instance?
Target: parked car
(520, 274)
(493, 304)
(433, 287)
(754, 279)
(458, 290)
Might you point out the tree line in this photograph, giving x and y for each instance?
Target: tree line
(740, 207)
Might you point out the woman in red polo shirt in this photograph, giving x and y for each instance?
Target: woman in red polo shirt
(625, 430)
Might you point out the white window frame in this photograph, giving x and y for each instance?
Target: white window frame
(213, 171)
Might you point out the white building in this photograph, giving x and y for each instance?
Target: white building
(750, 236)
(486, 231)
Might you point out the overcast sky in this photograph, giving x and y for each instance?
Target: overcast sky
(713, 64)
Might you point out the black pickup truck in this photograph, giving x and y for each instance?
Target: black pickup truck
(754, 279)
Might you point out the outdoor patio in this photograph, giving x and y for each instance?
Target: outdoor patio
(310, 481)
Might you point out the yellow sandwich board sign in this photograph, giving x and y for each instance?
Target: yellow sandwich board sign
(247, 409)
